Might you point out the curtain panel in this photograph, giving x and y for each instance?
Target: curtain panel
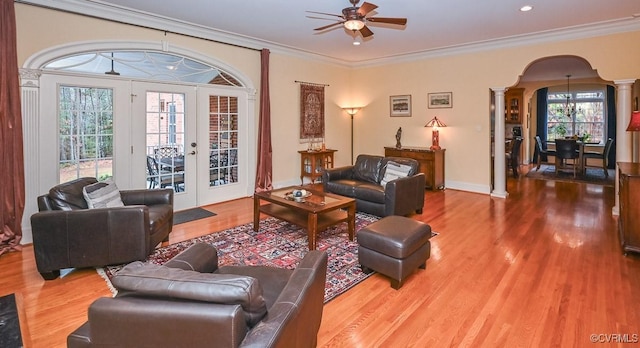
(541, 121)
(12, 192)
(264, 170)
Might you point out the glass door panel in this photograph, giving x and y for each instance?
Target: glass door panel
(165, 119)
(223, 124)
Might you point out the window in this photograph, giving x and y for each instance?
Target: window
(585, 116)
(223, 139)
(159, 66)
(85, 133)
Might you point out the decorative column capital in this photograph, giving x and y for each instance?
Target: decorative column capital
(30, 77)
(623, 83)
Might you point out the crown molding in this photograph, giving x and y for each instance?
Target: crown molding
(565, 34)
(102, 10)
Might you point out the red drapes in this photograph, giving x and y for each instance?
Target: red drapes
(12, 189)
(264, 170)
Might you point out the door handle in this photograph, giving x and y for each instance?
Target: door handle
(191, 153)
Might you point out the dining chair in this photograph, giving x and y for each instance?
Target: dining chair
(567, 155)
(604, 156)
(166, 152)
(542, 151)
(513, 157)
(161, 178)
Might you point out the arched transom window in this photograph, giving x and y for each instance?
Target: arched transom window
(147, 65)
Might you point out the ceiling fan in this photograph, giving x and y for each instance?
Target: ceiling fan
(355, 18)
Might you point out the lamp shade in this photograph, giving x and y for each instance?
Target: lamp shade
(354, 24)
(634, 123)
(352, 110)
(435, 122)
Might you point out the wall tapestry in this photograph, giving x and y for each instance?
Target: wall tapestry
(311, 112)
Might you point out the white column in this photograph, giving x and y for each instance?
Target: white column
(499, 167)
(30, 99)
(624, 139)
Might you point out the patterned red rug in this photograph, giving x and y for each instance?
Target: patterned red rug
(277, 244)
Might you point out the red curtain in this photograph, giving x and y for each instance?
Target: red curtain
(264, 172)
(12, 190)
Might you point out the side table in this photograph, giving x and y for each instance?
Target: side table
(313, 162)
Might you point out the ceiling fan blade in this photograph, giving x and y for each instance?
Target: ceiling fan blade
(326, 14)
(397, 21)
(366, 8)
(366, 32)
(329, 26)
(322, 18)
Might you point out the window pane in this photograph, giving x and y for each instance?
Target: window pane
(585, 117)
(85, 132)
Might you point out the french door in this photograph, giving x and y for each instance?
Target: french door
(223, 142)
(192, 139)
(163, 139)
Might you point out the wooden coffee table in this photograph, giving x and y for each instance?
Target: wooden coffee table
(318, 211)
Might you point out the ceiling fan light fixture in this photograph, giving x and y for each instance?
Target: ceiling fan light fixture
(354, 24)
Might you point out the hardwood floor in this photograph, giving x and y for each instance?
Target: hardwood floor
(541, 268)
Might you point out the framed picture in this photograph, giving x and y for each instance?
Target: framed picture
(440, 100)
(400, 105)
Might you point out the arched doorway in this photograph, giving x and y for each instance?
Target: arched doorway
(200, 106)
(549, 74)
(556, 82)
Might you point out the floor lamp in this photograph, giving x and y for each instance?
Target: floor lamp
(351, 111)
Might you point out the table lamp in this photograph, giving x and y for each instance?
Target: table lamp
(435, 137)
(634, 123)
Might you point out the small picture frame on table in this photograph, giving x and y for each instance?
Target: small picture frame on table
(440, 100)
(400, 105)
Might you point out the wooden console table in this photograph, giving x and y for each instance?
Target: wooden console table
(431, 163)
(312, 163)
(629, 221)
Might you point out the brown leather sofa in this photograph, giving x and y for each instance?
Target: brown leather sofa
(66, 234)
(362, 181)
(191, 302)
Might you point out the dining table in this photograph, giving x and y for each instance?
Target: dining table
(172, 164)
(581, 145)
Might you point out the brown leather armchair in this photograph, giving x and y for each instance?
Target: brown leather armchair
(66, 234)
(363, 181)
(191, 302)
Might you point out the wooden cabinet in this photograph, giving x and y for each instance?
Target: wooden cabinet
(629, 219)
(312, 163)
(513, 105)
(431, 163)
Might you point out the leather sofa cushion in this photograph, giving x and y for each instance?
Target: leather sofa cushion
(68, 196)
(161, 281)
(369, 192)
(343, 187)
(273, 280)
(367, 168)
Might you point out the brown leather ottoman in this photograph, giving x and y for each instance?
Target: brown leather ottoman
(394, 246)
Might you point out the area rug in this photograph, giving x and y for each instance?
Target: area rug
(592, 176)
(183, 216)
(9, 322)
(277, 244)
